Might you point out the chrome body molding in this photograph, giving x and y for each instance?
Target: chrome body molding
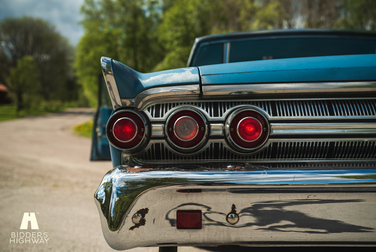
(153, 95)
(322, 128)
(129, 88)
(233, 91)
(216, 129)
(157, 130)
(328, 206)
(110, 82)
(280, 129)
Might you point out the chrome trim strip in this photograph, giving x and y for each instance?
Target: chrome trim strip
(321, 128)
(112, 89)
(146, 97)
(366, 139)
(157, 130)
(232, 90)
(274, 206)
(216, 129)
(227, 55)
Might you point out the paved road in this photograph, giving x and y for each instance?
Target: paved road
(45, 169)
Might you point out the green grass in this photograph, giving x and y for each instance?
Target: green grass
(84, 129)
(8, 111)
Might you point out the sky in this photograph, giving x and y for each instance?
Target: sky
(63, 14)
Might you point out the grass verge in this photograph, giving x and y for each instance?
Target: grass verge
(84, 129)
(9, 111)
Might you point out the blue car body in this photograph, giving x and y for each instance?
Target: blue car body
(307, 177)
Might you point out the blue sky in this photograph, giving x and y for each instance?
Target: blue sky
(63, 14)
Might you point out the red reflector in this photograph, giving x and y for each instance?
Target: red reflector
(188, 219)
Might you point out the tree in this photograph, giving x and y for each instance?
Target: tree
(53, 55)
(182, 23)
(185, 20)
(321, 13)
(358, 14)
(119, 29)
(24, 82)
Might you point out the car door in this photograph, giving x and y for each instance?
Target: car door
(100, 149)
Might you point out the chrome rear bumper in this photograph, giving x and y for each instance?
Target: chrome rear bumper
(138, 207)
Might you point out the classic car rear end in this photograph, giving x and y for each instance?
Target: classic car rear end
(275, 152)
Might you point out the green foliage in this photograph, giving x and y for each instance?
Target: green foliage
(84, 129)
(244, 15)
(158, 34)
(358, 14)
(53, 55)
(119, 29)
(24, 83)
(182, 23)
(8, 112)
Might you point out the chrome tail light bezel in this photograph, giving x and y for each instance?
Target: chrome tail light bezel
(230, 130)
(202, 125)
(141, 137)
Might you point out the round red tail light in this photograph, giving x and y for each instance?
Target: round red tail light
(247, 129)
(127, 130)
(186, 129)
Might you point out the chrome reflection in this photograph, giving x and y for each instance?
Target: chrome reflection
(289, 202)
(112, 89)
(242, 90)
(126, 183)
(144, 98)
(322, 128)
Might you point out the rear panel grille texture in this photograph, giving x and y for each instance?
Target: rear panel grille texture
(214, 109)
(354, 107)
(361, 148)
(301, 108)
(281, 108)
(276, 151)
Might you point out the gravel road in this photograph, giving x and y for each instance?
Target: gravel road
(45, 169)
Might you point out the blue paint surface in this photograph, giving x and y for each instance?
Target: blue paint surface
(312, 69)
(131, 82)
